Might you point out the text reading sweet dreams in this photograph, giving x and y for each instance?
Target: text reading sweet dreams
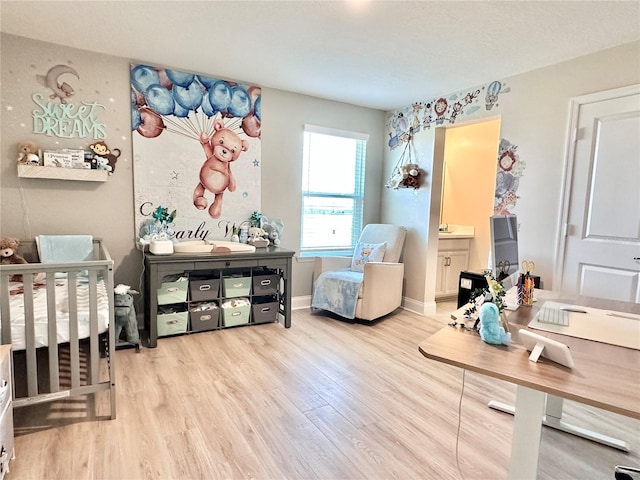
(67, 120)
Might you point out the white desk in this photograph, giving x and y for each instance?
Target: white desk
(604, 376)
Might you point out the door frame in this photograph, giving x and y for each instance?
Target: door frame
(439, 142)
(567, 173)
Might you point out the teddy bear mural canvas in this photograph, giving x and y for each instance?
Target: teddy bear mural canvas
(196, 150)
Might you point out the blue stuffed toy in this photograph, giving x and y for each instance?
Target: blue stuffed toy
(490, 329)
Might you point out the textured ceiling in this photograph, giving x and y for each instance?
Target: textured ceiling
(379, 54)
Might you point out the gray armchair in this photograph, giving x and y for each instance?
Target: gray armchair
(340, 287)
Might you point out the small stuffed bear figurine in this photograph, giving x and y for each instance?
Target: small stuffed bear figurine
(490, 329)
(28, 153)
(9, 254)
(125, 315)
(256, 237)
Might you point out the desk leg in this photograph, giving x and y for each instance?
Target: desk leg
(553, 419)
(527, 431)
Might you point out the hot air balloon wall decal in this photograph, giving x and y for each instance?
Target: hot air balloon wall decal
(196, 147)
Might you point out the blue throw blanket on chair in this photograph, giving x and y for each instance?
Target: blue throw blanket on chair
(337, 292)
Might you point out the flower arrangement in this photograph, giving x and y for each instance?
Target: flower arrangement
(162, 215)
(255, 219)
(494, 292)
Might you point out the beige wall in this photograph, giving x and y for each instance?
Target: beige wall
(30, 207)
(534, 117)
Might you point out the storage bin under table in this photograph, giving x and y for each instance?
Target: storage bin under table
(201, 289)
(172, 292)
(264, 311)
(265, 284)
(235, 312)
(236, 286)
(172, 323)
(204, 316)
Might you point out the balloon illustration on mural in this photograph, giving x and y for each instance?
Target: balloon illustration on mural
(189, 104)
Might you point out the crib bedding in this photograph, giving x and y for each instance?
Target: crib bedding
(40, 315)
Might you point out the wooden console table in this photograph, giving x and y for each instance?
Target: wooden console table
(158, 267)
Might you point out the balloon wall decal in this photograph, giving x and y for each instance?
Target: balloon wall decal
(151, 124)
(188, 104)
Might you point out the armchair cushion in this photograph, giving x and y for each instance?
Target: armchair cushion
(367, 252)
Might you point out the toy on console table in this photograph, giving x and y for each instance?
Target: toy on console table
(256, 237)
(490, 329)
(273, 229)
(28, 153)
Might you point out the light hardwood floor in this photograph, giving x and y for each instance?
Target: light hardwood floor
(325, 399)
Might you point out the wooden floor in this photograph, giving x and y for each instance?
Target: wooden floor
(325, 399)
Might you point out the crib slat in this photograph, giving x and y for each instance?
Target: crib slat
(5, 311)
(92, 373)
(111, 347)
(30, 335)
(52, 333)
(74, 346)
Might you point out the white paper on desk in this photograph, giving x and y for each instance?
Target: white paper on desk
(606, 326)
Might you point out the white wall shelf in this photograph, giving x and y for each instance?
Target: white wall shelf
(56, 173)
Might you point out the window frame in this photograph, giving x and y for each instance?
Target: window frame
(357, 196)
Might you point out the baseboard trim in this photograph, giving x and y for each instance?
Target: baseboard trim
(298, 303)
(420, 308)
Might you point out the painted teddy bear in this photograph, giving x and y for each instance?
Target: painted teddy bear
(222, 148)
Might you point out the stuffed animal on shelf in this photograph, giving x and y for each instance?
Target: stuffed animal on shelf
(9, 254)
(490, 329)
(28, 153)
(103, 158)
(125, 315)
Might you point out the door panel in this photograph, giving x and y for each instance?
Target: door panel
(603, 218)
(616, 160)
(612, 283)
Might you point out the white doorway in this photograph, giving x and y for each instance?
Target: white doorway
(598, 251)
(469, 182)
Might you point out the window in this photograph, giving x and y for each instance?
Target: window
(332, 190)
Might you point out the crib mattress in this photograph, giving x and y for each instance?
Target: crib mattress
(17, 311)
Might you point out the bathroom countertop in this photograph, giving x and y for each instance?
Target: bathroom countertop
(458, 231)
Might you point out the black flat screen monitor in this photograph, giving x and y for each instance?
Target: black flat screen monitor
(504, 249)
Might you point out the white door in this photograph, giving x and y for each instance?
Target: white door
(600, 248)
